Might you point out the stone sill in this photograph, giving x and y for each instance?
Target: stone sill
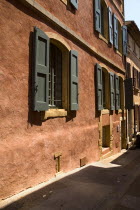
(103, 38)
(105, 111)
(64, 1)
(118, 53)
(54, 113)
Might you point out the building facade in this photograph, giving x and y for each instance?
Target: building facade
(62, 93)
(133, 82)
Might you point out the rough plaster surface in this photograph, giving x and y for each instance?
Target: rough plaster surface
(27, 145)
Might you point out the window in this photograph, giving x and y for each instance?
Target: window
(55, 77)
(135, 78)
(74, 3)
(104, 19)
(55, 84)
(121, 93)
(110, 25)
(134, 46)
(124, 31)
(117, 92)
(107, 89)
(120, 37)
(101, 18)
(115, 31)
(112, 91)
(128, 70)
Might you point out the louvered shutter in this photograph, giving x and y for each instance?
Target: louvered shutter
(128, 70)
(74, 80)
(110, 25)
(117, 92)
(40, 70)
(115, 31)
(139, 80)
(74, 3)
(134, 79)
(98, 15)
(99, 87)
(128, 93)
(124, 29)
(112, 91)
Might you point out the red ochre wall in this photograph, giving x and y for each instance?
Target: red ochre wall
(27, 145)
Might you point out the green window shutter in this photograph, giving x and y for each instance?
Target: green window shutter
(74, 80)
(110, 25)
(139, 80)
(74, 3)
(40, 71)
(99, 87)
(117, 92)
(115, 31)
(124, 29)
(98, 15)
(135, 73)
(128, 93)
(112, 91)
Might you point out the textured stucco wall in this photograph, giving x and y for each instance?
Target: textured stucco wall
(27, 145)
(82, 22)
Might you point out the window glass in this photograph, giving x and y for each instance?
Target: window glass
(55, 77)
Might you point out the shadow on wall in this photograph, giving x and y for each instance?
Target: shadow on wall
(90, 188)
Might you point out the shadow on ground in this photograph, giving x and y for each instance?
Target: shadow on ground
(90, 188)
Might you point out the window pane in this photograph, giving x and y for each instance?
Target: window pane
(55, 77)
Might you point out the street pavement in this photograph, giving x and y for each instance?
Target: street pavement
(110, 184)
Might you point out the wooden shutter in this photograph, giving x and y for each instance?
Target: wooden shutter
(122, 93)
(134, 77)
(115, 31)
(41, 70)
(139, 80)
(112, 91)
(128, 93)
(99, 87)
(124, 29)
(128, 70)
(117, 92)
(98, 15)
(74, 80)
(110, 25)
(74, 3)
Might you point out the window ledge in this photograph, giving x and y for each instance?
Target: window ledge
(105, 111)
(103, 38)
(54, 113)
(118, 53)
(64, 1)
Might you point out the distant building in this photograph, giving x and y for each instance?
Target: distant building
(133, 82)
(62, 77)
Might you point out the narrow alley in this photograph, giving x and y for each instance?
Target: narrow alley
(113, 183)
